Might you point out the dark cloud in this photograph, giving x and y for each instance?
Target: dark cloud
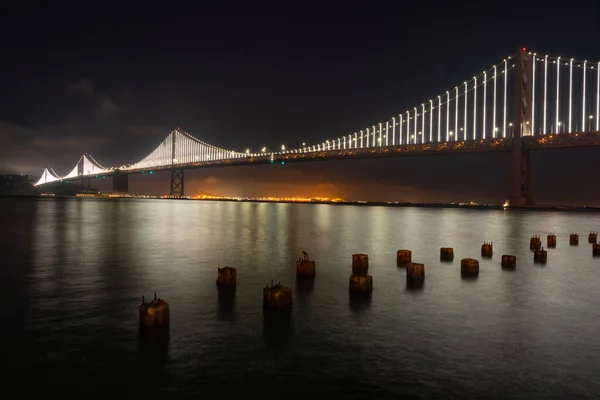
(16, 154)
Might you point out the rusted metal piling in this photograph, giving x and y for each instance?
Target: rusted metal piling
(540, 256)
(277, 297)
(469, 267)
(574, 239)
(361, 284)
(154, 314)
(487, 249)
(509, 261)
(415, 272)
(446, 254)
(227, 276)
(535, 242)
(403, 257)
(551, 241)
(360, 263)
(305, 267)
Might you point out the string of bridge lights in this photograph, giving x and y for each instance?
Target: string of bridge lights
(189, 149)
(368, 138)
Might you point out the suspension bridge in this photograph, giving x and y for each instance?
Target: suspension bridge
(525, 102)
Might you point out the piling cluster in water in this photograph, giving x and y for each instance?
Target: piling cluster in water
(276, 296)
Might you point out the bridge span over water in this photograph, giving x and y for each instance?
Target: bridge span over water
(524, 103)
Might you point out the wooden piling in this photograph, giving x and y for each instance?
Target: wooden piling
(226, 276)
(574, 239)
(509, 261)
(446, 254)
(360, 264)
(487, 249)
(593, 237)
(540, 256)
(155, 313)
(361, 283)
(415, 272)
(469, 267)
(551, 241)
(535, 242)
(403, 257)
(277, 296)
(305, 268)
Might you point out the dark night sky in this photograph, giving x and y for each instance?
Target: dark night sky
(114, 81)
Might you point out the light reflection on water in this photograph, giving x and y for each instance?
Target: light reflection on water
(74, 271)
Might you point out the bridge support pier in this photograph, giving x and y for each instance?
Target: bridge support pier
(120, 183)
(177, 181)
(86, 183)
(520, 193)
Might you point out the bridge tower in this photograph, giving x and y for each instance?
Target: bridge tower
(176, 173)
(520, 192)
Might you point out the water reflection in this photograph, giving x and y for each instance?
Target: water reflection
(304, 285)
(153, 347)
(70, 268)
(277, 328)
(412, 286)
(226, 304)
(360, 302)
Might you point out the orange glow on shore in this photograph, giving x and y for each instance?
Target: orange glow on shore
(293, 199)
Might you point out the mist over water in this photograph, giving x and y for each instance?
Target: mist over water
(73, 272)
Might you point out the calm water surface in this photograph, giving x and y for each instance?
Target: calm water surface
(73, 272)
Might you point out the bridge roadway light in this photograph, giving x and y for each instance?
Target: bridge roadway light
(283, 147)
(247, 151)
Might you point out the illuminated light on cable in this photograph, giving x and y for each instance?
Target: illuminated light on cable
(456, 114)
(583, 99)
(557, 93)
(505, 84)
(474, 108)
(400, 125)
(598, 99)
(439, 137)
(393, 131)
(494, 107)
(532, 131)
(379, 141)
(416, 128)
(570, 96)
(373, 141)
(387, 133)
(484, 102)
(465, 121)
(368, 137)
(544, 130)
(430, 121)
(447, 116)
(423, 124)
(361, 139)
(407, 127)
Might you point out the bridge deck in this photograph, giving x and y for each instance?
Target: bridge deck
(562, 140)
